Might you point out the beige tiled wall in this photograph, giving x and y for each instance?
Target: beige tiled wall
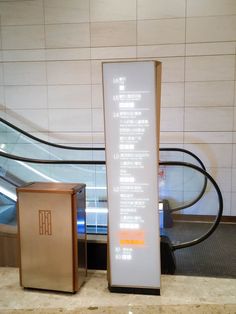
(51, 83)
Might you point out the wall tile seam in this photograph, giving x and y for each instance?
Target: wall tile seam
(3, 72)
(101, 59)
(114, 22)
(138, 20)
(149, 45)
(207, 16)
(188, 43)
(0, 38)
(114, 59)
(37, 109)
(199, 107)
(99, 84)
(136, 28)
(212, 144)
(50, 108)
(210, 54)
(200, 131)
(130, 46)
(182, 17)
(71, 61)
(120, 21)
(124, 46)
(51, 85)
(208, 130)
(69, 84)
(139, 46)
(43, 24)
(196, 143)
(47, 48)
(203, 107)
(69, 132)
(30, 85)
(187, 56)
(210, 81)
(202, 143)
(45, 65)
(45, 61)
(178, 44)
(91, 80)
(106, 47)
(185, 66)
(232, 149)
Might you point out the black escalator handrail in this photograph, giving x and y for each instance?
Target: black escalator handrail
(185, 151)
(181, 150)
(162, 163)
(91, 148)
(51, 161)
(220, 199)
(46, 142)
(99, 162)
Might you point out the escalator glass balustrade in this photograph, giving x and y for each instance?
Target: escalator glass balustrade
(48, 162)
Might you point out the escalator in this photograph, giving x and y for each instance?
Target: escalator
(7, 210)
(26, 158)
(8, 198)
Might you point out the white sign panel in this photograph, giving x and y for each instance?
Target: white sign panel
(131, 124)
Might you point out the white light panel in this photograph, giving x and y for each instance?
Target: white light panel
(132, 137)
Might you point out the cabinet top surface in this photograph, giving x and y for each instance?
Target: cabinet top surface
(51, 187)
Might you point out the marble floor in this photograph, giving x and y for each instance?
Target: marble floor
(179, 294)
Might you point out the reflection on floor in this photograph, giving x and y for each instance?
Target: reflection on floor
(179, 294)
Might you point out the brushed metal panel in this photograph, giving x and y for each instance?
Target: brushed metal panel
(46, 257)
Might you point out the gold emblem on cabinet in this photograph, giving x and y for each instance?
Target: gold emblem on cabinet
(45, 222)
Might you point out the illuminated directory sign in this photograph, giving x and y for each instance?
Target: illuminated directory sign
(131, 106)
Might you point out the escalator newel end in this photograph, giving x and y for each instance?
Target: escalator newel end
(168, 264)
